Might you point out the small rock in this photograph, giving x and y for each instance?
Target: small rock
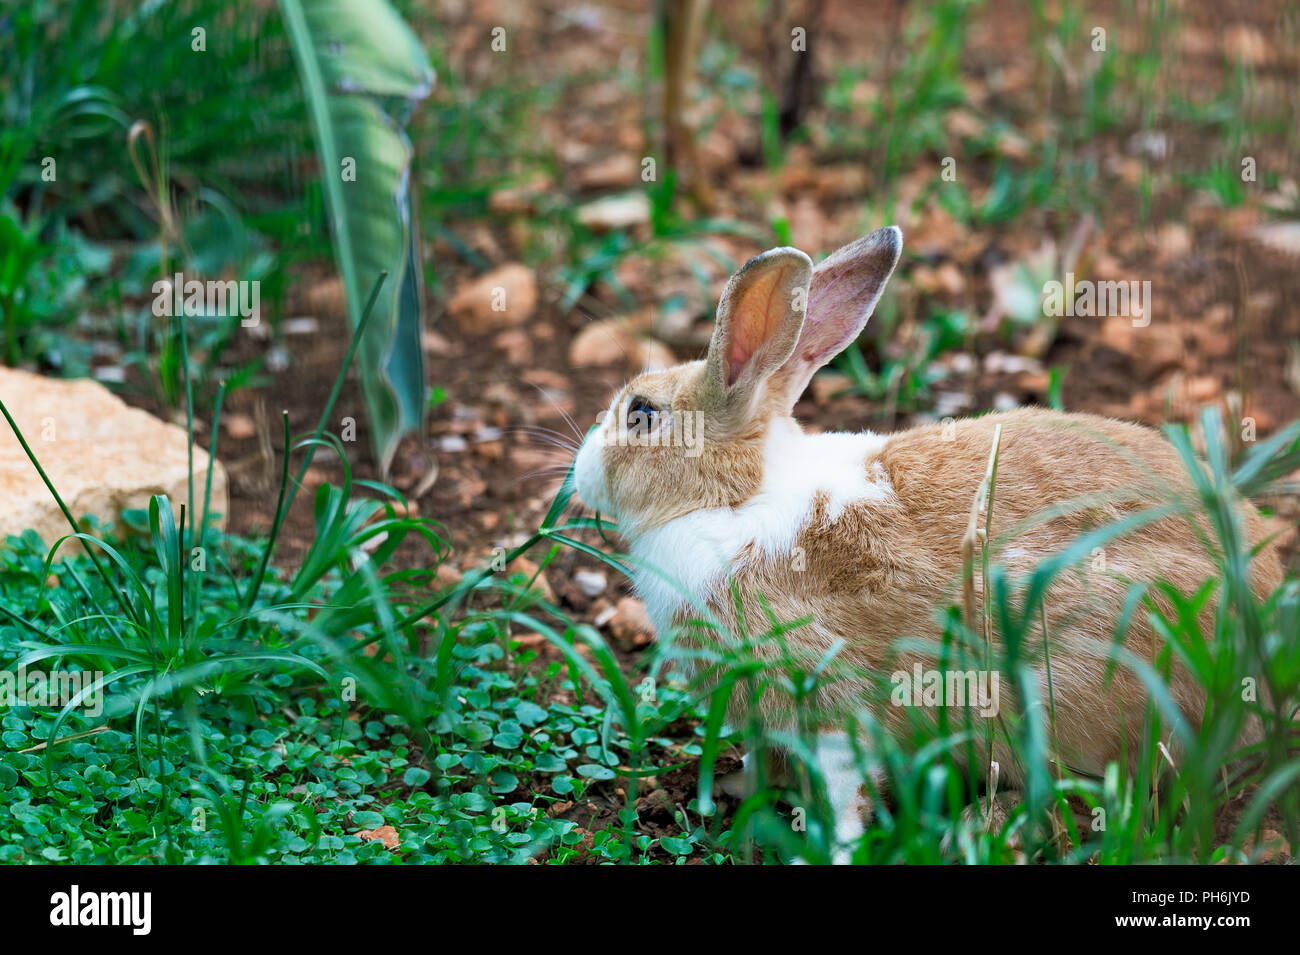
(630, 626)
(951, 278)
(1117, 332)
(545, 378)
(652, 355)
(103, 456)
(528, 569)
(960, 362)
(1246, 43)
(618, 171)
(516, 344)
(615, 212)
(503, 298)
(513, 201)
(327, 297)
(613, 341)
(1173, 241)
(1153, 143)
(435, 344)
(602, 611)
(606, 342)
(453, 443)
(1006, 363)
(1279, 236)
(949, 403)
(530, 640)
(591, 582)
(827, 384)
(843, 181)
(301, 326)
(1157, 353)
(239, 426)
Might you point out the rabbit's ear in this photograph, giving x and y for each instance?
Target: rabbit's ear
(759, 318)
(845, 289)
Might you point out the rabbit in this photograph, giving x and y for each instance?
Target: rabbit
(729, 507)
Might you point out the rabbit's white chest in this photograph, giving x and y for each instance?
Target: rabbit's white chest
(681, 564)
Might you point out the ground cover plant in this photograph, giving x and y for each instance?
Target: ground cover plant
(433, 654)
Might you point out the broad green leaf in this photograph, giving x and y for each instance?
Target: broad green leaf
(363, 72)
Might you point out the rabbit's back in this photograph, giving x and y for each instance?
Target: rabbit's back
(884, 569)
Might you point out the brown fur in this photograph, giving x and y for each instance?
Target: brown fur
(884, 570)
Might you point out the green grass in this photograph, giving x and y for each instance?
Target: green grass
(285, 742)
(273, 723)
(1154, 814)
(247, 763)
(289, 711)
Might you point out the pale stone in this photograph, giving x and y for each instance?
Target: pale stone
(102, 456)
(503, 298)
(591, 582)
(613, 172)
(615, 212)
(630, 626)
(613, 341)
(605, 342)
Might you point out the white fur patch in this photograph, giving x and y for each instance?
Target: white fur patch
(589, 472)
(835, 759)
(687, 559)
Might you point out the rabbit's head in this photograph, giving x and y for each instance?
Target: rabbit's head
(693, 436)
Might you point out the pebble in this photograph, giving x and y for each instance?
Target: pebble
(591, 582)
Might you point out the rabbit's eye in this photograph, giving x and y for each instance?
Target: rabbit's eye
(641, 416)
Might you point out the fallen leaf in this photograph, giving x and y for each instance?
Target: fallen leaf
(385, 834)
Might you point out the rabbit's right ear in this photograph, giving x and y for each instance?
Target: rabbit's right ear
(759, 319)
(845, 290)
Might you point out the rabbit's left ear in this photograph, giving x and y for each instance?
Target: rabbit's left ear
(844, 292)
(759, 319)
